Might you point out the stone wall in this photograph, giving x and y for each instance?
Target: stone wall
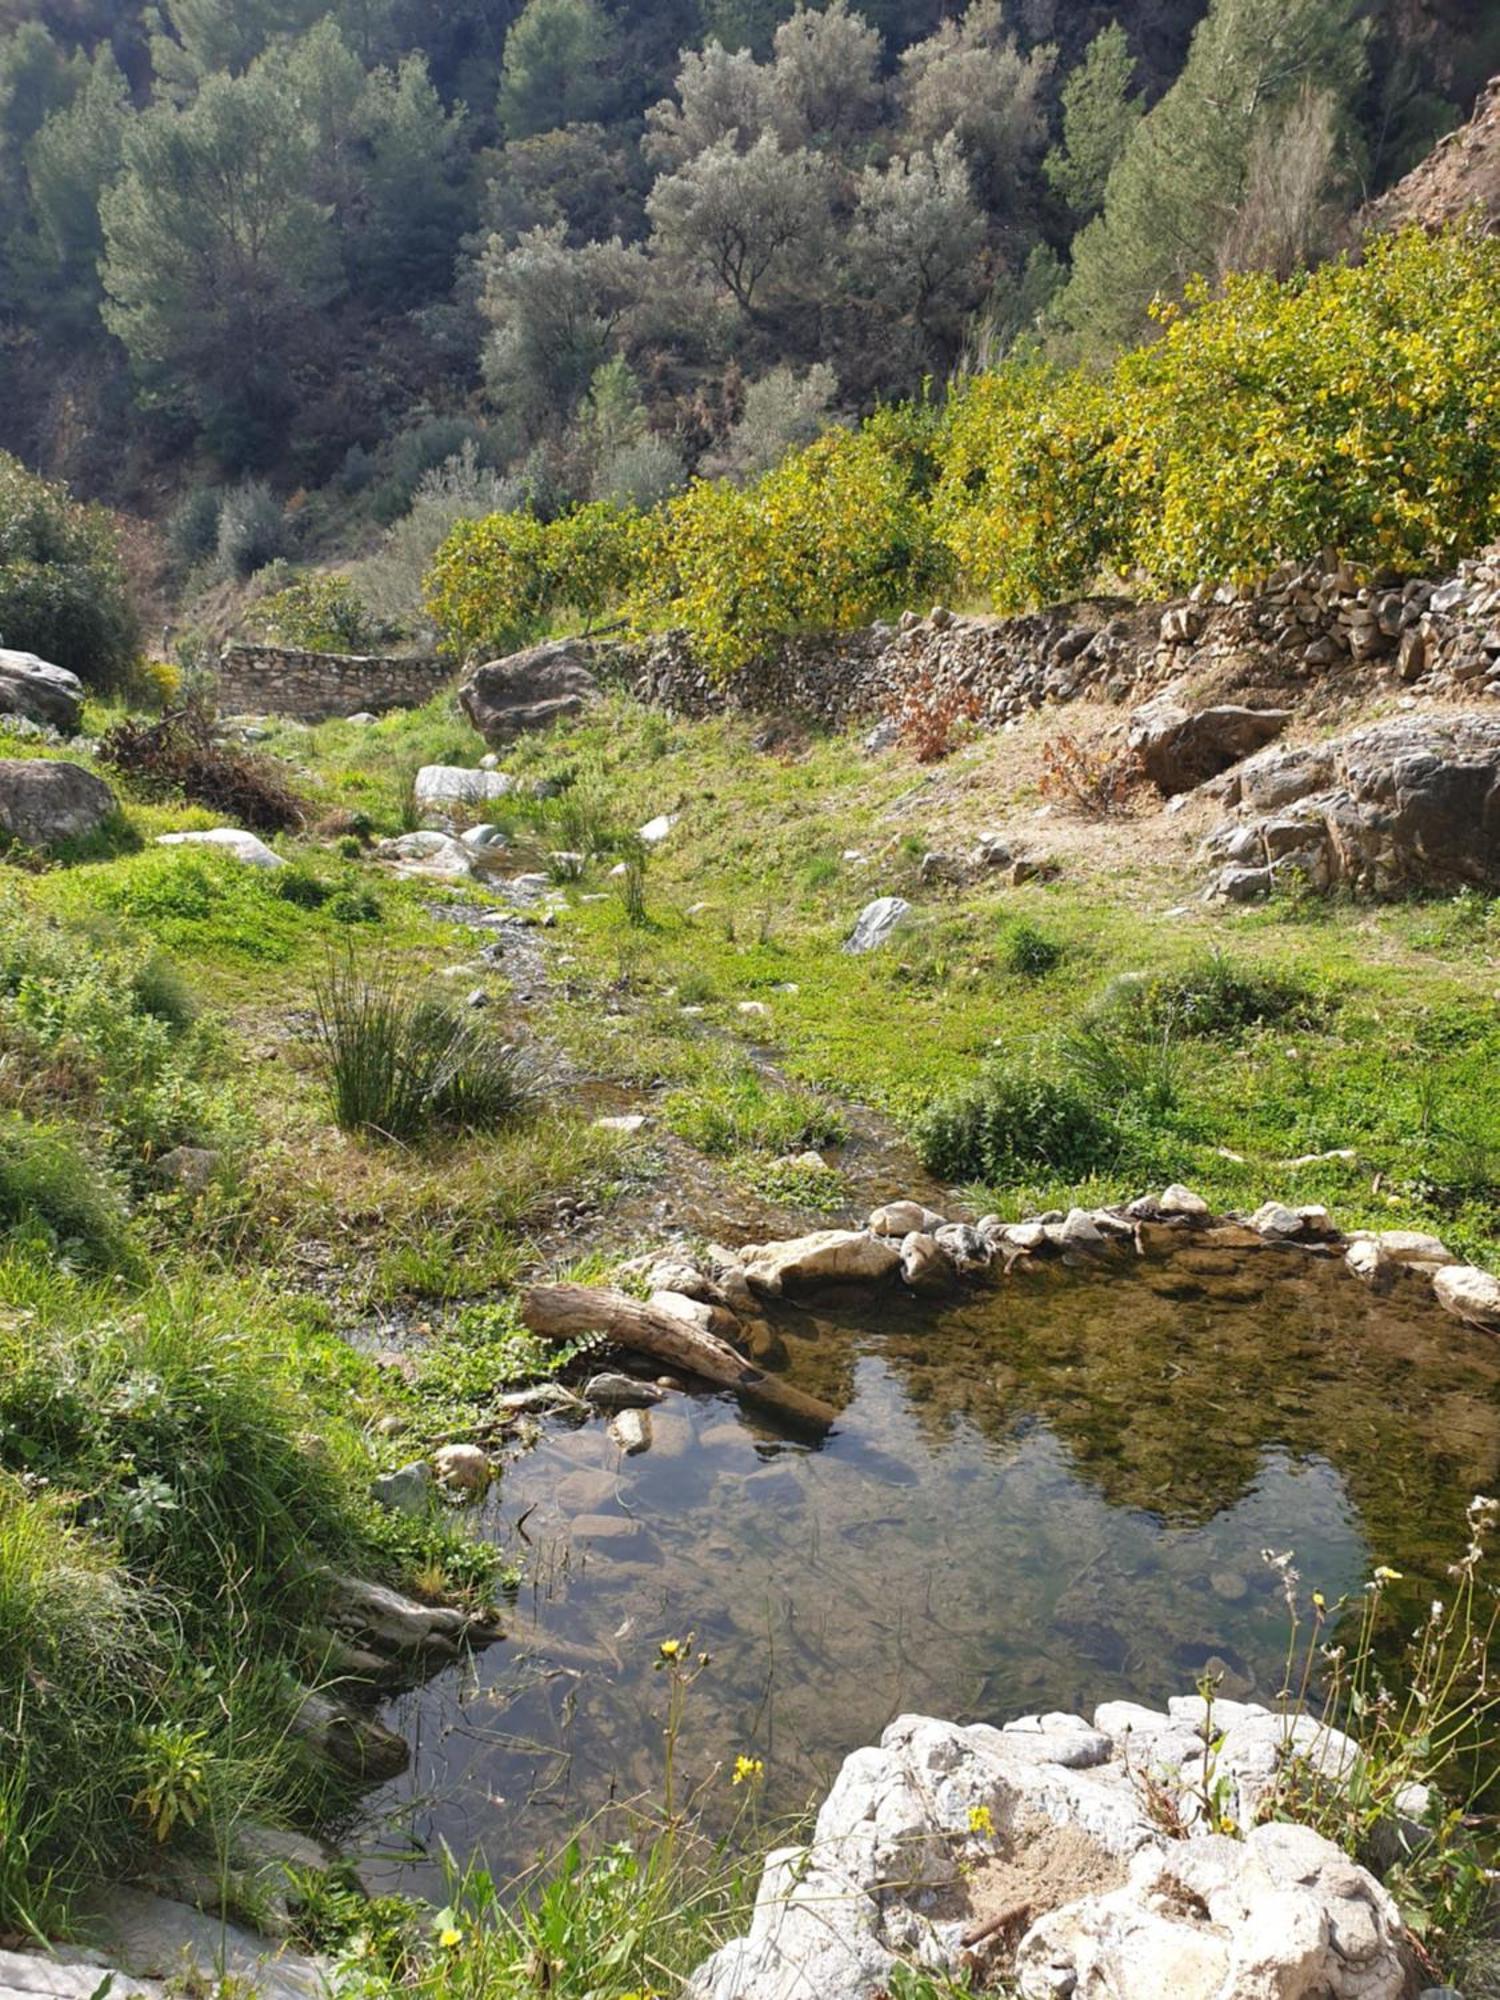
(279, 680)
(1317, 624)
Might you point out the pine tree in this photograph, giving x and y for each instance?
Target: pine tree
(1174, 193)
(1099, 115)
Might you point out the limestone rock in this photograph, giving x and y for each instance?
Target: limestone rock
(876, 922)
(1281, 1915)
(235, 840)
(427, 853)
(436, 787)
(407, 1490)
(189, 1168)
(900, 1218)
(47, 695)
(925, 1265)
(529, 689)
(462, 1468)
(152, 1938)
(845, 1256)
(631, 1431)
(1180, 748)
(44, 802)
(611, 1391)
(1470, 1294)
(1406, 804)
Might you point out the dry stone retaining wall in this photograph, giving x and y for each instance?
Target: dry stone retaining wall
(280, 680)
(1440, 636)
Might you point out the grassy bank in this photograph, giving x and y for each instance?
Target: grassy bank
(1081, 1037)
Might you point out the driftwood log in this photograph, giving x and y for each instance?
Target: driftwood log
(563, 1312)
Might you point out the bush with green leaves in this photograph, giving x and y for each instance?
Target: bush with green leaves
(1012, 1120)
(1351, 410)
(495, 583)
(839, 533)
(252, 529)
(317, 613)
(64, 593)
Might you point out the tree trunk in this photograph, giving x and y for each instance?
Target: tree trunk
(563, 1312)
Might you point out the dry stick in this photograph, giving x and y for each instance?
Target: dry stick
(564, 1312)
(1019, 1913)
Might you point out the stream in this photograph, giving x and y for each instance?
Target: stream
(1053, 1492)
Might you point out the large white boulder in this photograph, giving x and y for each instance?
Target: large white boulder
(824, 1257)
(1279, 1915)
(39, 692)
(436, 787)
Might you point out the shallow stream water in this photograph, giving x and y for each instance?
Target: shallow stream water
(1054, 1492)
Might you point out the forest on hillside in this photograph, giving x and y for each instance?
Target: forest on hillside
(584, 249)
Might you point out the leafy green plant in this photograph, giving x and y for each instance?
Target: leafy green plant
(1029, 952)
(51, 1191)
(63, 588)
(318, 613)
(744, 1113)
(1427, 1733)
(400, 1063)
(1012, 1119)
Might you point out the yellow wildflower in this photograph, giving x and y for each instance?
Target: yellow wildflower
(981, 1820)
(747, 1770)
(449, 1937)
(1384, 1574)
(670, 1649)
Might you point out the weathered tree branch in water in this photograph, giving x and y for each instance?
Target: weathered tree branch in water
(563, 1312)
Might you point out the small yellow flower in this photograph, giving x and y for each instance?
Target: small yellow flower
(450, 1937)
(1320, 1602)
(747, 1770)
(1384, 1574)
(981, 1820)
(670, 1649)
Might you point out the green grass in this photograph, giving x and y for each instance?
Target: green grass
(1301, 1028)
(177, 1466)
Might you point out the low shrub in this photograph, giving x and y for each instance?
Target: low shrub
(1011, 1120)
(54, 1195)
(316, 613)
(180, 757)
(1089, 777)
(64, 592)
(931, 716)
(744, 1113)
(1029, 952)
(252, 529)
(399, 1063)
(1217, 995)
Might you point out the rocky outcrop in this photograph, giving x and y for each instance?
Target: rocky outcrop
(1060, 1823)
(1409, 804)
(49, 696)
(1459, 177)
(1180, 748)
(44, 803)
(528, 690)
